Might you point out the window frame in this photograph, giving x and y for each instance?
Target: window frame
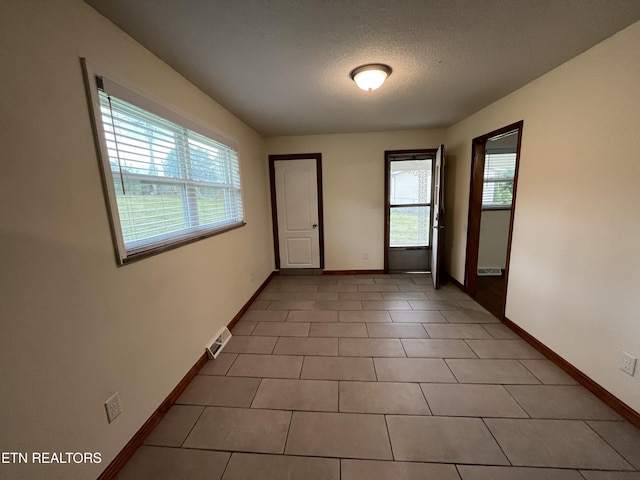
(121, 89)
(507, 180)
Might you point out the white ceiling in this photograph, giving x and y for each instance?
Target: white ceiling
(283, 66)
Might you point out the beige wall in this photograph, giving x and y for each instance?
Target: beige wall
(353, 189)
(575, 263)
(74, 327)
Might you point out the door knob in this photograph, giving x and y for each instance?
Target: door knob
(315, 225)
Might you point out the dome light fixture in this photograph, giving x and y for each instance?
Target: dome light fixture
(371, 76)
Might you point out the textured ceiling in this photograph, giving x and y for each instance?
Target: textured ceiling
(283, 66)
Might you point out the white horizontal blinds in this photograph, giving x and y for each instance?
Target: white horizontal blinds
(499, 170)
(170, 183)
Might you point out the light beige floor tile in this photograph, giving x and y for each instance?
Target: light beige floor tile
(471, 305)
(240, 429)
(561, 402)
(342, 435)
(622, 436)
(243, 328)
(404, 296)
(413, 370)
(359, 296)
(174, 426)
(219, 391)
(469, 316)
(356, 280)
(361, 317)
(461, 400)
(407, 287)
(396, 330)
(219, 366)
(456, 330)
(259, 305)
(443, 439)
(162, 463)
(448, 295)
(340, 287)
(599, 475)
(548, 373)
(338, 330)
(385, 305)
(382, 397)
(339, 305)
(518, 349)
(272, 366)
(437, 348)
(378, 288)
(282, 329)
(338, 368)
(379, 470)
(313, 395)
(307, 346)
(370, 347)
(264, 316)
(246, 466)
(268, 295)
(418, 317)
(249, 344)
(500, 331)
(282, 305)
(554, 443)
(433, 305)
(317, 296)
(388, 280)
(313, 316)
(295, 287)
(504, 372)
(478, 472)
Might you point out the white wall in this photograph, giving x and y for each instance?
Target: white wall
(494, 236)
(353, 189)
(74, 327)
(575, 262)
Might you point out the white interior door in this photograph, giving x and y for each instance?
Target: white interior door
(297, 210)
(438, 217)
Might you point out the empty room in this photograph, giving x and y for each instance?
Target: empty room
(320, 240)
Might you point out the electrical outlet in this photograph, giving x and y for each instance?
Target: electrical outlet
(628, 363)
(365, 256)
(113, 408)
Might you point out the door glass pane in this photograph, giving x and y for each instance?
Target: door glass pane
(409, 226)
(410, 182)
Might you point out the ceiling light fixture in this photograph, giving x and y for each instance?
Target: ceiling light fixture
(371, 76)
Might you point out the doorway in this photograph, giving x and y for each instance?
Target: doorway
(296, 209)
(408, 210)
(494, 178)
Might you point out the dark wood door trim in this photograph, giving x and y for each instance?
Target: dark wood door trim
(274, 214)
(475, 206)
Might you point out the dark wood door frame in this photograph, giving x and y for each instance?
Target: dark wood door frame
(274, 214)
(475, 206)
(387, 210)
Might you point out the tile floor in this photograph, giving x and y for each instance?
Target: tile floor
(382, 377)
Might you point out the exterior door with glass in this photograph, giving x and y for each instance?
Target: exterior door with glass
(409, 180)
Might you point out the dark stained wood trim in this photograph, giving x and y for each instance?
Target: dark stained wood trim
(607, 397)
(274, 214)
(246, 306)
(353, 272)
(132, 445)
(475, 206)
(449, 278)
(387, 210)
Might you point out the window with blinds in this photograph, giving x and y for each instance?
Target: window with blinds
(499, 172)
(167, 184)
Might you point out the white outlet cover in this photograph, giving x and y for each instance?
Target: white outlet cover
(112, 406)
(628, 363)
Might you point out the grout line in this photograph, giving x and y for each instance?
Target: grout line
(495, 439)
